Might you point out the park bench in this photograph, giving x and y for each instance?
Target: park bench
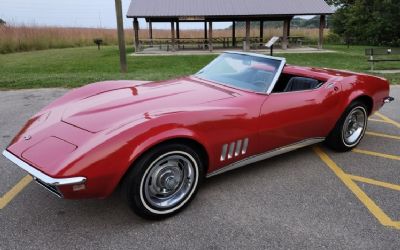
(382, 55)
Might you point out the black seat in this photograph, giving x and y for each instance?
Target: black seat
(301, 83)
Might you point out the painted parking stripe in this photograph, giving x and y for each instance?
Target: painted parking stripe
(10, 195)
(375, 182)
(372, 153)
(383, 135)
(376, 120)
(374, 209)
(388, 120)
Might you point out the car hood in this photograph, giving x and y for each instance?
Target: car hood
(117, 106)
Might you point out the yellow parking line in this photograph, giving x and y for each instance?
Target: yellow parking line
(383, 135)
(366, 152)
(388, 120)
(375, 182)
(10, 195)
(376, 120)
(357, 191)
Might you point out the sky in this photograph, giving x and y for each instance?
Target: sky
(75, 13)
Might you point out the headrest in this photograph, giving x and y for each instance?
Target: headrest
(301, 83)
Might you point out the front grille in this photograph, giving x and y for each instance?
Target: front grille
(51, 188)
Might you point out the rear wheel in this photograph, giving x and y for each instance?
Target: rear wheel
(164, 181)
(350, 128)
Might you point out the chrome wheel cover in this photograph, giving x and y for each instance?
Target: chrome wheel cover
(169, 180)
(354, 126)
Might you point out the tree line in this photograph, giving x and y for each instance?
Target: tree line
(368, 22)
(296, 22)
(364, 22)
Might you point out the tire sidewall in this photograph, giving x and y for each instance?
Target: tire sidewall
(134, 182)
(351, 110)
(335, 139)
(185, 200)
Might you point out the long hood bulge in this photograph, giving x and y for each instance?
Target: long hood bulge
(107, 109)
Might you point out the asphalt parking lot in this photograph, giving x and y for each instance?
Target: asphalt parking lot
(311, 198)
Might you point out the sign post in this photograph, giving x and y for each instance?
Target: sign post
(271, 43)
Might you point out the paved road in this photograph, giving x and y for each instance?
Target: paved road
(293, 201)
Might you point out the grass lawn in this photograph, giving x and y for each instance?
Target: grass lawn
(78, 66)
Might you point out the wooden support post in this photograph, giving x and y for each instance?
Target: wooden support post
(178, 32)
(210, 36)
(121, 36)
(285, 41)
(136, 35)
(173, 35)
(233, 34)
(205, 31)
(178, 35)
(205, 35)
(261, 31)
(288, 27)
(322, 23)
(247, 39)
(151, 32)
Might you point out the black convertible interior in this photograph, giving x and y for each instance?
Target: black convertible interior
(259, 80)
(290, 83)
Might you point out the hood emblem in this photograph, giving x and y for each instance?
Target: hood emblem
(27, 137)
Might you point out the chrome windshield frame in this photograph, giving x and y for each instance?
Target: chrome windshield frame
(274, 80)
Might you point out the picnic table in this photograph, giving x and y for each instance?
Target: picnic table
(194, 43)
(296, 40)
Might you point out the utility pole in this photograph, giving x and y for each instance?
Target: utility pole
(121, 36)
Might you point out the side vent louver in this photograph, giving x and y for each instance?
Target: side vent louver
(234, 149)
(224, 151)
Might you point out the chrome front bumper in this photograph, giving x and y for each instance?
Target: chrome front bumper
(48, 182)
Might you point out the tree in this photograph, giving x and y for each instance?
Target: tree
(2, 22)
(369, 22)
(297, 22)
(340, 2)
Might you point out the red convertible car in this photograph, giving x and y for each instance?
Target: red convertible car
(159, 140)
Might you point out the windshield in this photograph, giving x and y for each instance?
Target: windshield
(244, 71)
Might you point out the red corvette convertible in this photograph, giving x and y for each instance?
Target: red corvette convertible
(160, 139)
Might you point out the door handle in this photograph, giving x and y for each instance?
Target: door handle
(332, 85)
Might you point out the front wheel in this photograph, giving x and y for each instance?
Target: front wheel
(164, 181)
(350, 128)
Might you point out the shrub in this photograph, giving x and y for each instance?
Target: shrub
(333, 38)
